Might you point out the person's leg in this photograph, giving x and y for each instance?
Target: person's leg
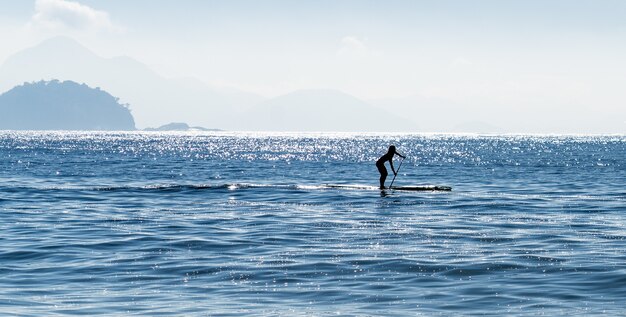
(383, 175)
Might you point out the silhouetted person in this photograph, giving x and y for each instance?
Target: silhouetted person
(380, 164)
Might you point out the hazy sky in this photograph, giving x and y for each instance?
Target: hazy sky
(489, 53)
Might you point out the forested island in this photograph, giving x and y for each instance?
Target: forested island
(67, 105)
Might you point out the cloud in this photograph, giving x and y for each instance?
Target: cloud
(352, 46)
(61, 14)
(460, 63)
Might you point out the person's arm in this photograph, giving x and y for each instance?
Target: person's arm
(400, 155)
(391, 163)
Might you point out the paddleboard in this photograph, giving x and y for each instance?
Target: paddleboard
(423, 188)
(351, 186)
(403, 188)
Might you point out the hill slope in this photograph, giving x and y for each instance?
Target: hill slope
(322, 110)
(55, 105)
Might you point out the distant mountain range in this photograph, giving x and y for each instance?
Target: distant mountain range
(155, 100)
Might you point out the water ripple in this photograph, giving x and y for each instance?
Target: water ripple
(244, 224)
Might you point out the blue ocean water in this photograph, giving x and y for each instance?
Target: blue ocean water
(218, 224)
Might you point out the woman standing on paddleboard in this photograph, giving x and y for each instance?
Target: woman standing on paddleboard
(380, 164)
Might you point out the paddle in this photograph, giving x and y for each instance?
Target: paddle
(396, 174)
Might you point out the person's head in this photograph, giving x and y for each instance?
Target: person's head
(392, 149)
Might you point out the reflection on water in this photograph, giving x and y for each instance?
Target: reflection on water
(243, 224)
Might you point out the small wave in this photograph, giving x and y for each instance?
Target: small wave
(547, 197)
(163, 187)
(179, 187)
(186, 187)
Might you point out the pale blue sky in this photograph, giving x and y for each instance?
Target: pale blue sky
(481, 53)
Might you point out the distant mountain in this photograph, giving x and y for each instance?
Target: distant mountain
(322, 110)
(152, 98)
(441, 115)
(55, 105)
(179, 126)
(433, 114)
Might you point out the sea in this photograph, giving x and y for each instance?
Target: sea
(254, 224)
